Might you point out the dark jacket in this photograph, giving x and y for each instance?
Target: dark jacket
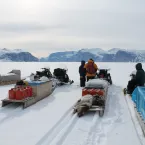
(82, 70)
(140, 75)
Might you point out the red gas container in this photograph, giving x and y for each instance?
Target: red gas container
(20, 94)
(30, 91)
(27, 92)
(12, 94)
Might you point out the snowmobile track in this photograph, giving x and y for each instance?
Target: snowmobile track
(62, 129)
(66, 121)
(90, 140)
(10, 111)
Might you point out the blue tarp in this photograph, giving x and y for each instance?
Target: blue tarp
(36, 83)
(138, 97)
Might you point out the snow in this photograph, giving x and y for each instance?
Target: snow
(51, 122)
(114, 50)
(95, 51)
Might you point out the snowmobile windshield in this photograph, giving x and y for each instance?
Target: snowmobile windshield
(46, 67)
(62, 66)
(104, 68)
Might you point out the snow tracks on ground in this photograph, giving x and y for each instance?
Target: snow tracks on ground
(54, 123)
(115, 127)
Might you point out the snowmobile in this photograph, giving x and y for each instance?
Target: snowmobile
(60, 74)
(93, 98)
(131, 84)
(103, 74)
(45, 73)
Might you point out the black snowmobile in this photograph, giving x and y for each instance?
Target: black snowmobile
(62, 77)
(44, 73)
(103, 74)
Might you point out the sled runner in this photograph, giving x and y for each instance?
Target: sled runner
(30, 94)
(93, 98)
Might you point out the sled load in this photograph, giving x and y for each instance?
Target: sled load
(60, 74)
(10, 78)
(93, 98)
(28, 92)
(103, 74)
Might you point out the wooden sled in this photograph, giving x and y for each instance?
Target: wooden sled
(41, 90)
(96, 105)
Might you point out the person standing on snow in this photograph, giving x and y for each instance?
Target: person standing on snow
(91, 69)
(82, 72)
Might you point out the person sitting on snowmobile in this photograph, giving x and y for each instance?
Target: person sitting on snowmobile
(91, 69)
(138, 79)
(82, 72)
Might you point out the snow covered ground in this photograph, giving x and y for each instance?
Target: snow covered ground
(50, 121)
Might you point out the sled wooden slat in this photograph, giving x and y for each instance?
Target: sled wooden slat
(25, 102)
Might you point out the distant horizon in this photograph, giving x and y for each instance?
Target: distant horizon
(46, 54)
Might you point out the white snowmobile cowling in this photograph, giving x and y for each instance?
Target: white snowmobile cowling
(44, 78)
(97, 83)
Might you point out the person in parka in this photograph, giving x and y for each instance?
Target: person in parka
(140, 75)
(91, 69)
(82, 72)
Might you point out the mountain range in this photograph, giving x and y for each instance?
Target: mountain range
(16, 55)
(98, 54)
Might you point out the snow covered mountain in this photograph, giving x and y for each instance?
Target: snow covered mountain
(17, 55)
(98, 54)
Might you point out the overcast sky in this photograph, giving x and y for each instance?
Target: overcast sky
(45, 26)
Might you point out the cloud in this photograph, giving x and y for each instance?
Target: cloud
(58, 25)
